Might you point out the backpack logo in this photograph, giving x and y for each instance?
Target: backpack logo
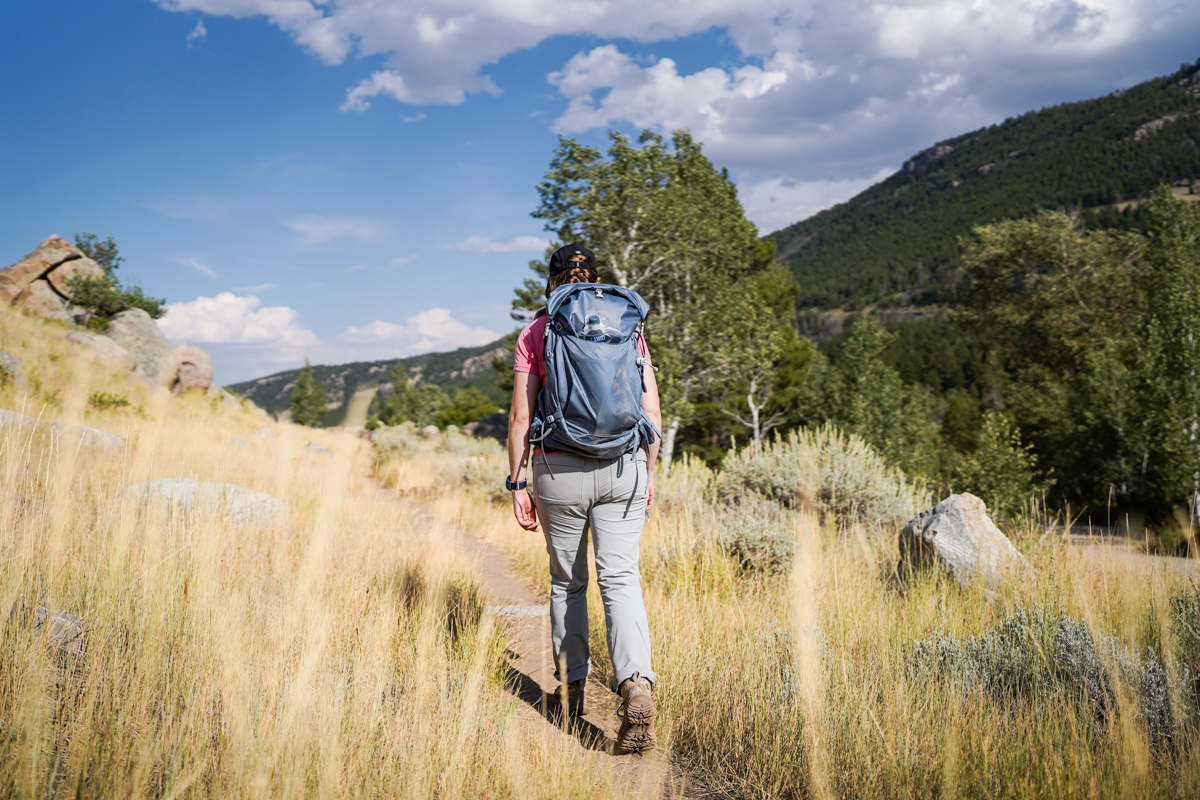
(591, 402)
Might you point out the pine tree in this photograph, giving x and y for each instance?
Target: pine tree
(397, 407)
(309, 402)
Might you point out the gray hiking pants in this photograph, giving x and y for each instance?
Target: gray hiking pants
(575, 494)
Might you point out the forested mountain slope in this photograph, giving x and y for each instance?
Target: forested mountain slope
(467, 366)
(895, 244)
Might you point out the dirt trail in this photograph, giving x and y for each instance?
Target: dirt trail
(531, 676)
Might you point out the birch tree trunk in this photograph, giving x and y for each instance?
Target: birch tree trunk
(667, 452)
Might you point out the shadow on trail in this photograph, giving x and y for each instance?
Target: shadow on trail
(527, 689)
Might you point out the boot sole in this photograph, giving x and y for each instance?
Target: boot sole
(637, 729)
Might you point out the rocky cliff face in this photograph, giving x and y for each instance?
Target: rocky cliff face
(37, 284)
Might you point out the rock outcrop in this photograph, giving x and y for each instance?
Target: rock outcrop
(195, 370)
(73, 438)
(477, 365)
(157, 361)
(241, 506)
(958, 536)
(926, 161)
(37, 283)
(103, 350)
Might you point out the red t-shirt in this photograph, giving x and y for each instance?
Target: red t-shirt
(527, 355)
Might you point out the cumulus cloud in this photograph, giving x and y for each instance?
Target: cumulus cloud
(817, 92)
(232, 319)
(656, 95)
(429, 331)
(518, 244)
(249, 339)
(316, 230)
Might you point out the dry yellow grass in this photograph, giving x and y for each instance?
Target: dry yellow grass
(802, 687)
(333, 655)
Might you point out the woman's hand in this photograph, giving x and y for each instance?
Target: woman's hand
(524, 510)
(650, 492)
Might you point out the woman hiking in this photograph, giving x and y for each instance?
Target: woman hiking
(584, 427)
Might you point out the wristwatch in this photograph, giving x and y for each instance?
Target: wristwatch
(514, 487)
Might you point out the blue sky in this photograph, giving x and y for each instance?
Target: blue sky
(352, 179)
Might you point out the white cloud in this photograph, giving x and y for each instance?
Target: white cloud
(656, 95)
(202, 268)
(248, 339)
(816, 92)
(430, 331)
(776, 203)
(316, 230)
(230, 319)
(518, 244)
(198, 33)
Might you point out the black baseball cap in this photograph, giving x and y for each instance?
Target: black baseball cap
(561, 259)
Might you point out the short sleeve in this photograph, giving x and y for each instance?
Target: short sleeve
(527, 355)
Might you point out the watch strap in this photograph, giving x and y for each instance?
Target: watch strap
(514, 487)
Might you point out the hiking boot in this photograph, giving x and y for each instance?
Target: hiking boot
(637, 716)
(576, 705)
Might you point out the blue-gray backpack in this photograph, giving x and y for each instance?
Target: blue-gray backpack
(591, 401)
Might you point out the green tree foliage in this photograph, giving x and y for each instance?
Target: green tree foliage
(1058, 308)
(506, 381)
(420, 404)
(1001, 470)
(1172, 332)
(470, 405)
(397, 406)
(895, 244)
(309, 402)
(664, 222)
(759, 362)
(103, 252)
(424, 402)
(863, 394)
(103, 296)
(1068, 363)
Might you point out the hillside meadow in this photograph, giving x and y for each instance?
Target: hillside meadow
(343, 652)
(333, 654)
(811, 671)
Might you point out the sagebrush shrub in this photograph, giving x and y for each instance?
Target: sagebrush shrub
(1039, 655)
(389, 444)
(825, 470)
(758, 534)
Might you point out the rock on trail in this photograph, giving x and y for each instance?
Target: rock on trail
(958, 536)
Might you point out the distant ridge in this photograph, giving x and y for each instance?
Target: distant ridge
(895, 244)
(467, 366)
